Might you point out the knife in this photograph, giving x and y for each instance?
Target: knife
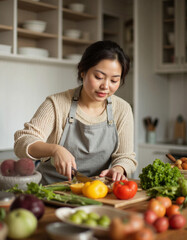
(81, 177)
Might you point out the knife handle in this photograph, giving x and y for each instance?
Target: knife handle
(74, 170)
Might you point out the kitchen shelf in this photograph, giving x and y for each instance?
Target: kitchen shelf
(5, 27)
(71, 15)
(34, 35)
(30, 5)
(71, 41)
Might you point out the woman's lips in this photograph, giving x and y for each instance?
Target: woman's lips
(101, 94)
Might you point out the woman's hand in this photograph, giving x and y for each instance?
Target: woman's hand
(116, 173)
(63, 161)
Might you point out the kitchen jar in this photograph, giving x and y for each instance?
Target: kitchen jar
(151, 137)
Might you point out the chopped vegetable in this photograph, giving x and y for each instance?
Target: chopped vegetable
(159, 174)
(58, 187)
(77, 188)
(44, 193)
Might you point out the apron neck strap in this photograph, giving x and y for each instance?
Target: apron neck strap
(75, 100)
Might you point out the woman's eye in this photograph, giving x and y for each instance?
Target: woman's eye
(113, 81)
(98, 77)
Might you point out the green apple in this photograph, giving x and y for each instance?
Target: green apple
(104, 221)
(21, 223)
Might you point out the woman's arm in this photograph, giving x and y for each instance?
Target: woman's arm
(63, 159)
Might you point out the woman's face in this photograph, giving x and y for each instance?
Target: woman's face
(102, 80)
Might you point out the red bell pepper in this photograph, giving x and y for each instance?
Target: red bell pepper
(125, 189)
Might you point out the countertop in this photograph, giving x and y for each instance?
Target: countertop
(50, 217)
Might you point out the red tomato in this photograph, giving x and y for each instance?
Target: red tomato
(157, 207)
(173, 209)
(125, 189)
(180, 200)
(166, 201)
(161, 224)
(150, 216)
(177, 221)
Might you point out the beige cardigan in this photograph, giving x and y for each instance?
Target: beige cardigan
(49, 121)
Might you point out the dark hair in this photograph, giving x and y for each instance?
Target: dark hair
(103, 50)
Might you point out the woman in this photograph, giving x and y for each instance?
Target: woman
(87, 128)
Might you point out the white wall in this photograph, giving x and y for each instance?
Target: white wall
(152, 95)
(23, 87)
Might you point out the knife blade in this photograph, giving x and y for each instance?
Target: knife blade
(81, 177)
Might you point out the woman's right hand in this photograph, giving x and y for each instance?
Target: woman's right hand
(63, 161)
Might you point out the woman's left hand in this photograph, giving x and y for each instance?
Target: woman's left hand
(116, 173)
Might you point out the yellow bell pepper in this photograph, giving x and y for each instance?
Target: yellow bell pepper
(95, 189)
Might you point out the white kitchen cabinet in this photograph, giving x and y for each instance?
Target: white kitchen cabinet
(58, 17)
(101, 19)
(171, 36)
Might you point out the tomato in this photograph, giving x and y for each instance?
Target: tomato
(166, 201)
(161, 224)
(173, 209)
(150, 217)
(180, 200)
(177, 221)
(125, 189)
(157, 207)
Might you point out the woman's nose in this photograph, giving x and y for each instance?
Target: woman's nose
(104, 85)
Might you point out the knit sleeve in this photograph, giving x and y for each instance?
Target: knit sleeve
(38, 129)
(124, 155)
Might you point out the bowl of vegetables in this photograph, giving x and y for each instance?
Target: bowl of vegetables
(181, 164)
(96, 218)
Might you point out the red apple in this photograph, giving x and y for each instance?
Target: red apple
(24, 167)
(150, 217)
(8, 167)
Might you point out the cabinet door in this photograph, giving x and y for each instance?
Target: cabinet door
(167, 36)
(183, 40)
(171, 36)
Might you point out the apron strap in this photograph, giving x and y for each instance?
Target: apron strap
(109, 111)
(74, 103)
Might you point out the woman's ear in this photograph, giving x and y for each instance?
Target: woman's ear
(82, 75)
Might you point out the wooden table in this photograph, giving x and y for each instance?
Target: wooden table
(50, 217)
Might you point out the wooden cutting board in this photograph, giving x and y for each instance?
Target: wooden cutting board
(111, 200)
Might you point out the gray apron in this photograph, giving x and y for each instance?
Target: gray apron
(91, 145)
